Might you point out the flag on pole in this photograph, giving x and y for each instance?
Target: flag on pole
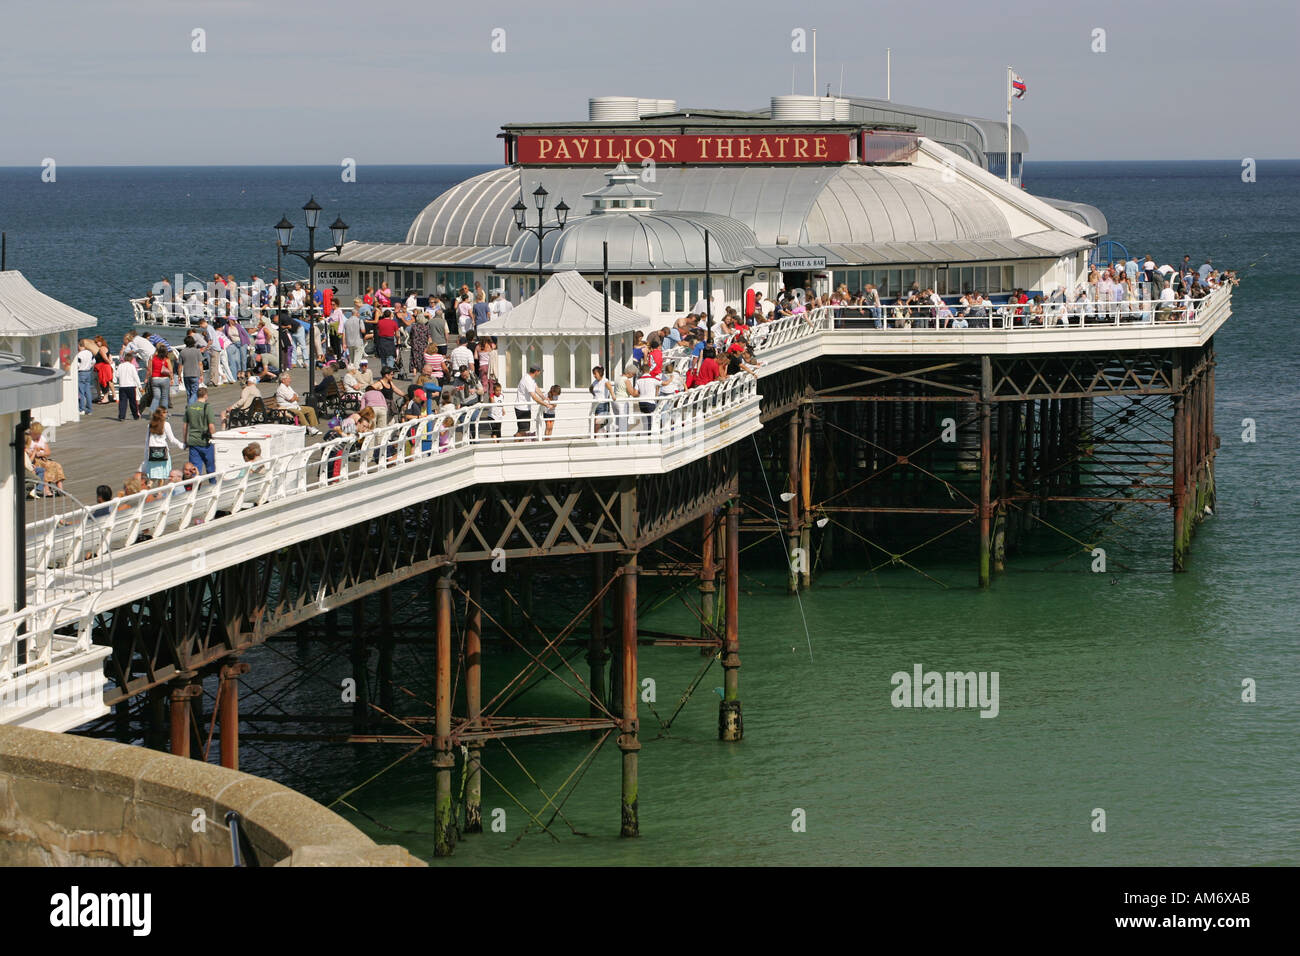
(1018, 87)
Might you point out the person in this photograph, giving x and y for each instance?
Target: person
(525, 395)
(487, 351)
(462, 354)
(161, 372)
(434, 363)
(386, 340)
(157, 463)
(40, 454)
(103, 495)
(85, 377)
(373, 399)
(464, 316)
(708, 371)
(287, 398)
(198, 431)
(548, 411)
(1166, 308)
(247, 395)
(602, 395)
(647, 387)
(191, 368)
(262, 337)
(103, 371)
(354, 334)
(497, 411)
(482, 312)
(624, 389)
(127, 378)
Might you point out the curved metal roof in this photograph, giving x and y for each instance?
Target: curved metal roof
(849, 203)
(637, 241)
(26, 311)
(901, 204)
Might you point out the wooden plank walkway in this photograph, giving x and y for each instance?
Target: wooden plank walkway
(100, 450)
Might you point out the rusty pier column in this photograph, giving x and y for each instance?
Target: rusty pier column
(228, 711)
(986, 454)
(792, 505)
(708, 580)
(597, 654)
(444, 760)
(628, 742)
(805, 499)
(1180, 461)
(999, 543)
(183, 692)
(474, 701)
(730, 723)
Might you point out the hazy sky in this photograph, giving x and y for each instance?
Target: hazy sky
(400, 81)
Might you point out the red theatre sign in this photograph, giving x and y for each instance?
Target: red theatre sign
(725, 148)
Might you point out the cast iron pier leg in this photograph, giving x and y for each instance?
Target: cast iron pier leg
(443, 760)
(474, 701)
(730, 724)
(627, 740)
(986, 455)
(228, 713)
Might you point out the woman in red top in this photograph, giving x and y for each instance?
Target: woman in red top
(708, 370)
(654, 356)
(160, 379)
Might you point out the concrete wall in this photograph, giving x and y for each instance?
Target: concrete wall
(74, 801)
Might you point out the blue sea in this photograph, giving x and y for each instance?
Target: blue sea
(1122, 695)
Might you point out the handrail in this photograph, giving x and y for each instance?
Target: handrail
(1082, 312)
(91, 534)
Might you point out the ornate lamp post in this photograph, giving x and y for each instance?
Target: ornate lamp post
(283, 233)
(521, 222)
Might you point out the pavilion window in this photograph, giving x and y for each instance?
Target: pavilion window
(679, 285)
(665, 295)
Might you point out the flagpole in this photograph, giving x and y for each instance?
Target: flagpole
(1009, 74)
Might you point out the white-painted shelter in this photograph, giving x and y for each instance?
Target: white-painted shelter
(44, 332)
(562, 330)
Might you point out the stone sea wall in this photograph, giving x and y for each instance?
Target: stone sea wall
(74, 801)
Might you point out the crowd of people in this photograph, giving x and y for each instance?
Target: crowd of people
(392, 359)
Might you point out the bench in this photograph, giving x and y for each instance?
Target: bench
(260, 413)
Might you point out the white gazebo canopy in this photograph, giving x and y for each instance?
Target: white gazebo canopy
(562, 329)
(25, 311)
(43, 331)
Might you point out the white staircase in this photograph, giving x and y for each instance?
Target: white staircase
(51, 675)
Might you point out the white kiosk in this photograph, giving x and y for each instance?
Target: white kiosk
(562, 330)
(44, 332)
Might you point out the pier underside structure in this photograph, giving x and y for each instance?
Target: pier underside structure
(890, 459)
(450, 573)
(863, 458)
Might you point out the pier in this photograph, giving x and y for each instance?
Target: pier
(863, 431)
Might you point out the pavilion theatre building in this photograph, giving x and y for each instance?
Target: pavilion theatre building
(811, 193)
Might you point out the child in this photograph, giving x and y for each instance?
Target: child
(497, 412)
(548, 413)
(435, 364)
(444, 437)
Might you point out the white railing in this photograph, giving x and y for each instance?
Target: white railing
(65, 544)
(38, 636)
(1081, 313)
(177, 314)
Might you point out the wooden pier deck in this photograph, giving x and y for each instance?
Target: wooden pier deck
(100, 450)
